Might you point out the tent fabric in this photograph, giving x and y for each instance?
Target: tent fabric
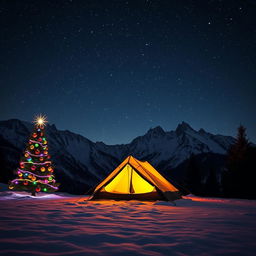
(128, 181)
(134, 179)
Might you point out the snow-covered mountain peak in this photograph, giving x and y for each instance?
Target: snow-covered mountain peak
(12, 124)
(183, 127)
(156, 131)
(202, 131)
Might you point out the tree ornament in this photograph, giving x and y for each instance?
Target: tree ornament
(45, 189)
(36, 145)
(37, 151)
(42, 169)
(41, 159)
(33, 178)
(26, 155)
(22, 165)
(33, 167)
(20, 174)
(32, 147)
(46, 152)
(25, 183)
(38, 189)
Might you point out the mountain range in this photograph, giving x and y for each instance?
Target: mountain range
(80, 163)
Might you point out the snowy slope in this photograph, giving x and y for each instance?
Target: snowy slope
(57, 225)
(81, 163)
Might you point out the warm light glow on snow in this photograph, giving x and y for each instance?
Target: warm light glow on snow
(72, 225)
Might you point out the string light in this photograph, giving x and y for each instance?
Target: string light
(39, 176)
(37, 163)
(26, 180)
(38, 142)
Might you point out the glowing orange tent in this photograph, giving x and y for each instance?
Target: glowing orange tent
(134, 179)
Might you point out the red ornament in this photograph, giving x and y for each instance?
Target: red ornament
(41, 134)
(34, 135)
(38, 189)
(46, 152)
(41, 159)
(48, 156)
(22, 165)
(40, 139)
(33, 167)
(37, 151)
(25, 183)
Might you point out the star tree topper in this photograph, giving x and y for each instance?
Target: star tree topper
(40, 120)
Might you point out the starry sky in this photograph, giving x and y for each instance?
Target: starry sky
(110, 70)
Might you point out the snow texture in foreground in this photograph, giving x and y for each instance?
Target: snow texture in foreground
(66, 225)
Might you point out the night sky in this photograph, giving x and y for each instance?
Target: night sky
(110, 70)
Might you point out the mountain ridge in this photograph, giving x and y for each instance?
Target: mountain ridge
(81, 163)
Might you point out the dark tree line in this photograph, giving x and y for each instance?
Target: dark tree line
(236, 178)
(202, 180)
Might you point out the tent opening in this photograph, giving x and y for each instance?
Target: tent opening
(128, 181)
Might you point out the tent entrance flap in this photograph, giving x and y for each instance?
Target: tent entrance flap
(128, 181)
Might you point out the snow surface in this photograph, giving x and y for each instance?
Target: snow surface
(60, 224)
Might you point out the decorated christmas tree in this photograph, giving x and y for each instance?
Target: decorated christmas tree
(35, 172)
